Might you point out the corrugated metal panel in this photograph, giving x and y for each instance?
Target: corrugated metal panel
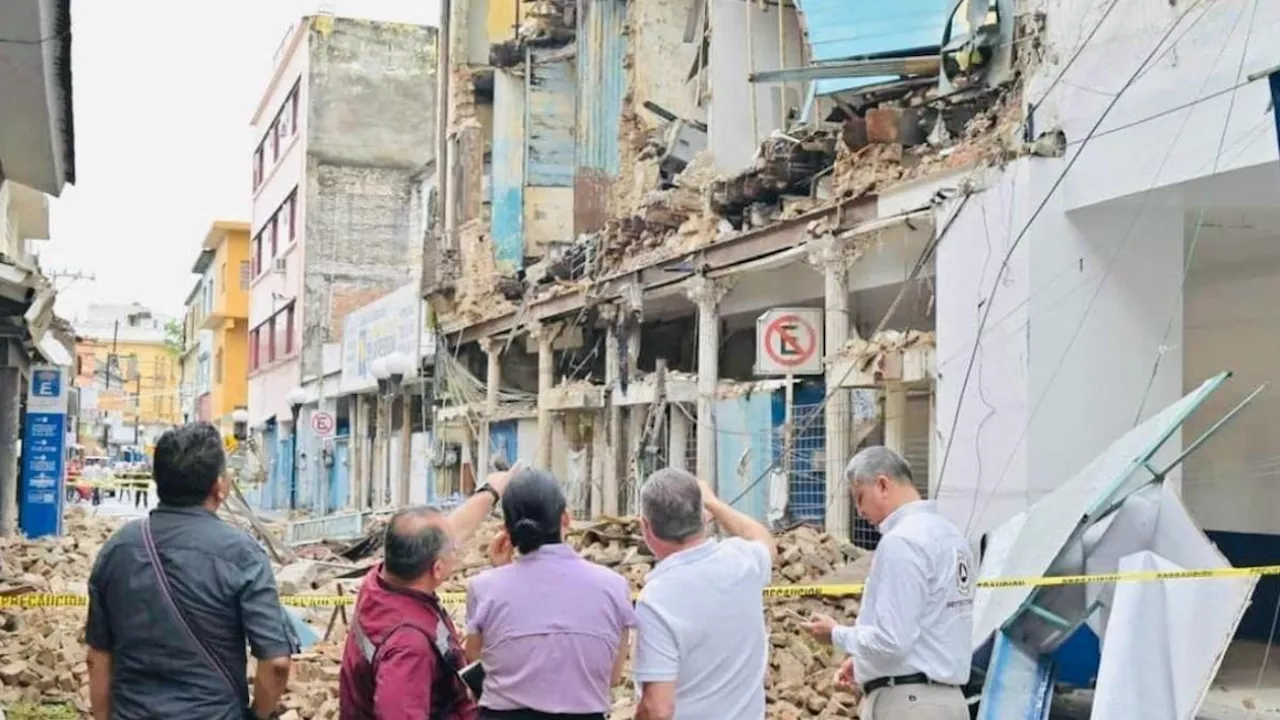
(507, 183)
(842, 30)
(549, 118)
(602, 83)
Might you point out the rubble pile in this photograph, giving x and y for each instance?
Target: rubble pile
(42, 649)
(886, 341)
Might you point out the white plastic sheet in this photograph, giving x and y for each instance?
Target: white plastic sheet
(1166, 642)
(1163, 641)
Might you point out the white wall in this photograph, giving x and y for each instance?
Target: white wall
(1078, 319)
(1232, 316)
(1175, 110)
(994, 407)
(729, 129)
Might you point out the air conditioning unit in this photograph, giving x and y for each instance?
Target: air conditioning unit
(278, 265)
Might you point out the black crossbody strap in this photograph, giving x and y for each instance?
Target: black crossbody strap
(167, 593)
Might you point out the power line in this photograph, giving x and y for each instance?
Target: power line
(1128, 235)
(1022, 234)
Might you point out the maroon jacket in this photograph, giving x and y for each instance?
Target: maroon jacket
(399, 629)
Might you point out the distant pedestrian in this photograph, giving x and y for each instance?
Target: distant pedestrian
(402, 653)
(141, 494)
(701, 645)
(550, 628)
(175, 597)
(910, 650)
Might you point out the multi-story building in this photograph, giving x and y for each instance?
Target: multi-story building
(217, 318)
(135, 360)
(195, 346)
(345, 140)
(37, 154)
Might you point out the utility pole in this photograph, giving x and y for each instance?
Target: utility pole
(111, 368)
(137, 408)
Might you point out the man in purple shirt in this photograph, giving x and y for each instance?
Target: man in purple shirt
(549, 628)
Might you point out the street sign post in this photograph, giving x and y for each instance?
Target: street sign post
(789, 342)
(323, 423)
(44, 446)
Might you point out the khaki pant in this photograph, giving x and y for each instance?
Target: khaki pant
(915, 702)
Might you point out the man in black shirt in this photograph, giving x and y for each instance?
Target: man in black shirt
(171, 644)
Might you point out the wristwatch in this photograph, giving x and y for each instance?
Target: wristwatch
(487, 488)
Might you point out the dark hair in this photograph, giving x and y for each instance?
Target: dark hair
(188, 461)
(531, 509)
(412, 543)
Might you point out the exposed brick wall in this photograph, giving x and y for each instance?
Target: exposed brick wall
(371, 133)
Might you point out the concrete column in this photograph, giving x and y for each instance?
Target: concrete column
(406, 446)
(707, 293)
(545, 336)
(678, 439)
(636, 417)
(613, 434)
(493, 383)
(836, 415)
(357, 454)
(895, 418)
(10, 431)
(599, 452)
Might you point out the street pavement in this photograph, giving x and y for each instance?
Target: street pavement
(116, 507)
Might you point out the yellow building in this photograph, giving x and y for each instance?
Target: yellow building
(127, 358)
(222, 311)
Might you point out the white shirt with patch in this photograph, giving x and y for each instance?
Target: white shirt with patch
(917, 611)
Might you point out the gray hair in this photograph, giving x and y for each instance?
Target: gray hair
(412, 542)
(877, 460)
(671, 502)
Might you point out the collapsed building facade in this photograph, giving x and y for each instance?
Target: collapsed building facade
(615, 223)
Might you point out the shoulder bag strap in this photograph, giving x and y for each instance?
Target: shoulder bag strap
(162, 578)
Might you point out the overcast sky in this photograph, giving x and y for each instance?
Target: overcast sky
(163, 96)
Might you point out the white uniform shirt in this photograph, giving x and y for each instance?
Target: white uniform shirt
(917, 611)
(700, 624)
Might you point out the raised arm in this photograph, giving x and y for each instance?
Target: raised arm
(738, 523)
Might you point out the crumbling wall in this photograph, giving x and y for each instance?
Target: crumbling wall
(658, 63)
(372, 91)
(371, 128)
(359, 245)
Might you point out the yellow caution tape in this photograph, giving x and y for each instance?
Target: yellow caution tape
(108, 484)
(125, 484)
(37, 600)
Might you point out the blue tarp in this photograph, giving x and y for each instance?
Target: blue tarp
(857, 29)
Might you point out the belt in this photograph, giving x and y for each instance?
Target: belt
(883, 682)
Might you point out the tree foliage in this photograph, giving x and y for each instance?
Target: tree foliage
(173, 337)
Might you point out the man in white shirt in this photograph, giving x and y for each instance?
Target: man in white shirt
(910, 649)
(701, 645)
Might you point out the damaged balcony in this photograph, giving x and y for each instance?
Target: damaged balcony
(949, 109)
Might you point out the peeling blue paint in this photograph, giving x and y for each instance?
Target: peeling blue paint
(507, 181)
(549, 118)
(852, 29)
